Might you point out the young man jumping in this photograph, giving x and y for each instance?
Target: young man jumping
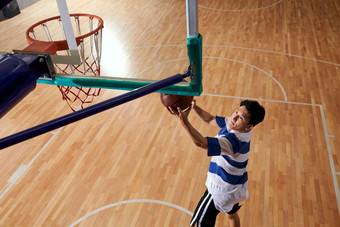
(227, 175)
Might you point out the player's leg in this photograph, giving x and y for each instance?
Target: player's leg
(205, 213)
(233, 218)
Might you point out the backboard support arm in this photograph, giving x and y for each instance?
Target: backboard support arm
(192, 18)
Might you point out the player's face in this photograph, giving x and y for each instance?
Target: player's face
(239, 120)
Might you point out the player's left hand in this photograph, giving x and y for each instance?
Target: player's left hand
(182, 115)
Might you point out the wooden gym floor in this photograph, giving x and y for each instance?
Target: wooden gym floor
(134, 165)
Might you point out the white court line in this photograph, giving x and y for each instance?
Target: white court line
(44, 147)
(260, 99)
(324, 124)
(127, 202)
(228, 59)
(22, 169)
(240, 10)
(330, 156)
(275, 52)
(17, 174)
(190, 213)
(246, 48)
(245, 63)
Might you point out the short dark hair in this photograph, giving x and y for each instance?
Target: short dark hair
(256, 111)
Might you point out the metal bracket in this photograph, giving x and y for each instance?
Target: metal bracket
(47, 67)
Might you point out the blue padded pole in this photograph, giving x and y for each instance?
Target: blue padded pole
(89, 111)
(18, 75)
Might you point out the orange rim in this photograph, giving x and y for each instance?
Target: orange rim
(62, 44)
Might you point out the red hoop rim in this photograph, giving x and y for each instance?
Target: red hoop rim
(62, 44)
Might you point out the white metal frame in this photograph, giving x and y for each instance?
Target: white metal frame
(74, 57)
(192, 18)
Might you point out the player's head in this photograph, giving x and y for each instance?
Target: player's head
(255, 110)
(249, 114)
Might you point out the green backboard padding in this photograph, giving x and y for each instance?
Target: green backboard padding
(194, 88)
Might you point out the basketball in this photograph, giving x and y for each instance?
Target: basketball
(174, 101)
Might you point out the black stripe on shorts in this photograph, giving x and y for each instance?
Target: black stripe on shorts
(205, 213)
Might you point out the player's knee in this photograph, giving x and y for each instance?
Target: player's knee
(232, 216)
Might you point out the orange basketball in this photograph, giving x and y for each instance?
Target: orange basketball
(174, 101)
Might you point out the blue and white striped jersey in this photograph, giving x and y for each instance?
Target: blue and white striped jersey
(227, 175)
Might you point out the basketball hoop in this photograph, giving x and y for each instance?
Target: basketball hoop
(48, 36)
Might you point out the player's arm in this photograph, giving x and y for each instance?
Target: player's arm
(204, 115)
(195, 135)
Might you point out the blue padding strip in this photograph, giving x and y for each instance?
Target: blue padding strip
(81, 114)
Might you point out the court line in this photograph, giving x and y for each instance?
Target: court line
(326, 135)
(246, 48)
(127, 202)
(240, 10)
(331, 160)
(242, 62)
(330, 156)
(275, 52)
(22, 168)
(25, 167)
(228, 59)
(261, 99)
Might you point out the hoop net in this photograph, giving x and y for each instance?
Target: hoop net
(88, 30)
